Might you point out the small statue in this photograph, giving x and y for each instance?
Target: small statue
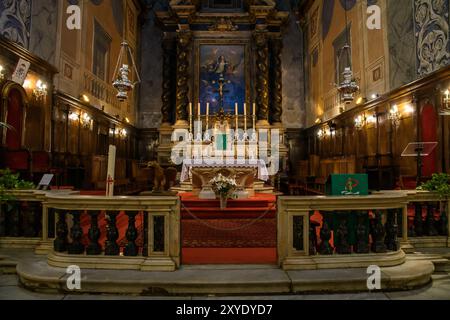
(159, 180)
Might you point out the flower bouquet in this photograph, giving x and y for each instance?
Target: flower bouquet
(223, 187)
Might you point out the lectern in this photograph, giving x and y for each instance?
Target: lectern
(419, 150)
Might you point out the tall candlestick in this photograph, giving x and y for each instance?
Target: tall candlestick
(199, 110)
(245, 117)
(207, 115)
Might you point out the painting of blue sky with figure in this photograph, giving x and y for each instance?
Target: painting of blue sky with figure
(226, 63)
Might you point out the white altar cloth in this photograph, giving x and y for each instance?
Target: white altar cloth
(188, 164)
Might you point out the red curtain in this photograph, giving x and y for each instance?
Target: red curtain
(429, 134)
(14, 119)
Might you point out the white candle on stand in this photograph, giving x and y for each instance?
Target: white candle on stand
(190, 116)
(207, 115)
(199, 110)
(245, 117)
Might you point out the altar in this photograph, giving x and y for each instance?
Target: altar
(200, 172)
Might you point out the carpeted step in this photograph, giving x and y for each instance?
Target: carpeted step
(228, 213)
(230, 203)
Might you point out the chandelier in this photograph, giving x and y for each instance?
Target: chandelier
(348, 87)
(122, 82)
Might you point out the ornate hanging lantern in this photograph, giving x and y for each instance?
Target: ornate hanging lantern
(348, 87)
(122, 82)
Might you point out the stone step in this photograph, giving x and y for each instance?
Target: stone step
(7, 266)
(205, 280)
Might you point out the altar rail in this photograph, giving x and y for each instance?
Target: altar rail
(333, 232)
(313, 232)
(151, 240)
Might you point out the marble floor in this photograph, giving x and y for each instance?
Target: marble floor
(439, 289)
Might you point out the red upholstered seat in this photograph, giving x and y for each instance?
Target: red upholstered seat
(17, 160)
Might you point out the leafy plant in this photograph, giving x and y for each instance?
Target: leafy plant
(11, 181)
(438, 183)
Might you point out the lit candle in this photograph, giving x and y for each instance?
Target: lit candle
(254, 109)
(190, 108)
(199, 110)
(236, 108)
(207, 115)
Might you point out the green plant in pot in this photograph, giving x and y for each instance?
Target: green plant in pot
(439, 183)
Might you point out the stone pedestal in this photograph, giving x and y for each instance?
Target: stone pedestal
(165, 144)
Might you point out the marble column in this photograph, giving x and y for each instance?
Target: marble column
(262, 76)
(168, 45)
(182, 99)
(276, 80)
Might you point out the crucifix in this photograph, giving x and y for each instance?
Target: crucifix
(221, 84)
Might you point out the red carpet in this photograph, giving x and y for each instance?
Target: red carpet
(244, 233)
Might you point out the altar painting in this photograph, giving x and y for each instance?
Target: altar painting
(226, 62)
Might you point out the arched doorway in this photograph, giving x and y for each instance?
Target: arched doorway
(14, 105)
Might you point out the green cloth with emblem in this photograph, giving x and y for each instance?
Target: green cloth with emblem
(347, 185)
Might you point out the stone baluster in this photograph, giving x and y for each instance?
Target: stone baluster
(94, 247)
(341, 240)
(443, 222)
(325, 236)
(312, 235)
(418, 223)
(131, 248)
(76, 233)
(60, 243)
(362, 233)
(391, 230)
(430, 222)
(112, 234)
(378, 234)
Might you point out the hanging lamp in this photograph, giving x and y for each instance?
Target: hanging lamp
(121, 80)
(348, 87)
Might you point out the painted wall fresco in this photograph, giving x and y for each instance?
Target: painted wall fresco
(44, 24)
(432, 35)
(15, 20)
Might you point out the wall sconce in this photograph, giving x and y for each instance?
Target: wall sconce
(333, 128)
(41, 90)
(372, 118)
(123, 133)
(394, 115)
(86, 120)
(360, 122)
(374, 96)
(409, 109)
(74, 116)
(320, 133)
(445, 109)
(2, 76)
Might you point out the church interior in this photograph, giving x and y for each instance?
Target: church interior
(203, 147)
